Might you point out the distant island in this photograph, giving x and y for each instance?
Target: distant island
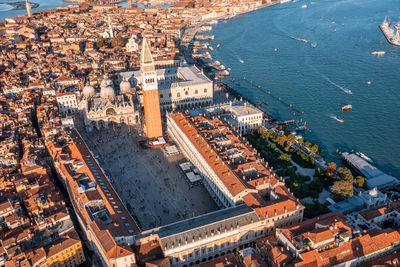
(20, 4)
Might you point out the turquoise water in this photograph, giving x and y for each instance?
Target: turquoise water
(9, 11)
(318, 80)
(315, 80)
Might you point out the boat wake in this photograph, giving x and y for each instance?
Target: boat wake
(336, 118)
(277, 26)
(347, 91)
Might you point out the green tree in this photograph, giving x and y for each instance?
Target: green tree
(291, 139)
(343, 188)
(361, 181)
(118, 41)
(281, 140)
(102, 42)
(316, 149)
(284, 157)
(345, 174)
(331, 169)
(190, 4)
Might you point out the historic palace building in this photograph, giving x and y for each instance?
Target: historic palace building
(104, 220)
(253, 199)
(179, 87)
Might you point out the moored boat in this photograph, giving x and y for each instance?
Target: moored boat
(363, 156)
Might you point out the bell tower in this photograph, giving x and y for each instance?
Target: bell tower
(28, 8)
(150, 93)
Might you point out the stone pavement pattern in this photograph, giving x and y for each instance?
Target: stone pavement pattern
(152, 187)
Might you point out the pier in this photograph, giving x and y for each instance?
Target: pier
(298, 112)
(204, 37)
(375, 177)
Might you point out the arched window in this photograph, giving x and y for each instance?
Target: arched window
(205, 90)
(196, 92)
(186, 93)
(110, 111)
(178, 94)
(161, 95)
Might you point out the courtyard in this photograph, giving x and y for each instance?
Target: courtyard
(151, 184)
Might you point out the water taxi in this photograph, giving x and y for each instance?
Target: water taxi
(378, 53)
(347, 107)
(338, 119)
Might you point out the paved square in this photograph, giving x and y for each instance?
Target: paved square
(150, 184)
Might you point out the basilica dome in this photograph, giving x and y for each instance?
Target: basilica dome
(88, 91)
(125, 86)
(107, 92)
(105, 82)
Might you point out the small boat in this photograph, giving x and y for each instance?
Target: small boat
(369, 83)
(347, 107)
(363, 156)
(313, 45)
(301, 128)
(218, 45)
(276, 50)
(303, 40)
(378, 53)
(241, 61)
(304, 6)
(338, 119)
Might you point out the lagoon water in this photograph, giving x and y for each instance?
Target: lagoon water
(315, 80)
(318, 80)
(9, 11)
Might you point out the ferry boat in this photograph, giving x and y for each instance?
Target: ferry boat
(347, 107)
(392, 35)
(378, 53)
(363, 156)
